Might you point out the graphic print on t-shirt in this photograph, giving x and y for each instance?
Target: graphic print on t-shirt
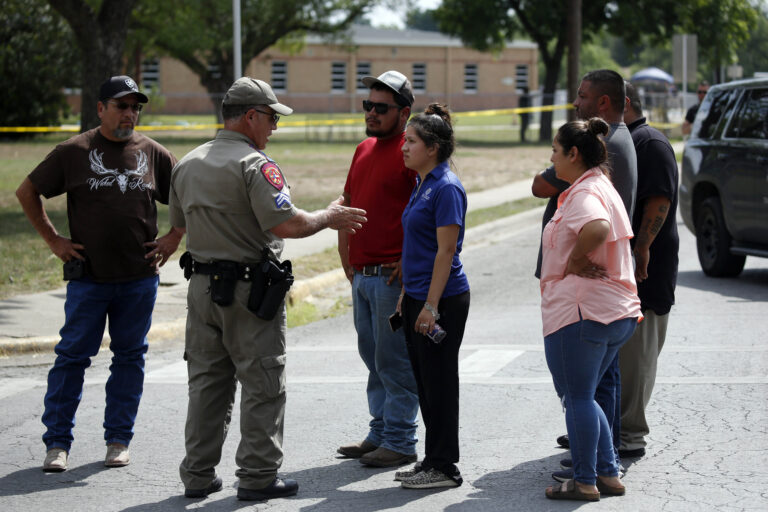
(129, 178)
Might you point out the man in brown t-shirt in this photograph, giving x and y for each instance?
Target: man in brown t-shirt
(112, 177)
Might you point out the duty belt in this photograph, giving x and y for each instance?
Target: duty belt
(245, 271)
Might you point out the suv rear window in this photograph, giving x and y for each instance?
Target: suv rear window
(751, 121)
(713, 110)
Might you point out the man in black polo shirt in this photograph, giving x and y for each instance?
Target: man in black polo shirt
(655, 247)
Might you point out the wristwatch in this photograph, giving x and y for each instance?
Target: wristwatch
(432, 310)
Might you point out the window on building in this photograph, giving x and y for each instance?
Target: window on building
(150, 73)
(419, 77)
(214, 70)
(470, 78)
(363, 70)
(338, 77)
(279, 75)
(521, 76)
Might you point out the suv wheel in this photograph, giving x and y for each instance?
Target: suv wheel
(713, 242)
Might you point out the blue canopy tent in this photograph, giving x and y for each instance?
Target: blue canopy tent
(653, 75)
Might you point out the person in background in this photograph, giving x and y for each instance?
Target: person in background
(655, 247)
(380, 183)
(113, 177)
(435, 289)
(690, 115)
(589, 303)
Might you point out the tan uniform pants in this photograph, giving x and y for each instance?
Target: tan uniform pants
(225, 345)
(637, 362)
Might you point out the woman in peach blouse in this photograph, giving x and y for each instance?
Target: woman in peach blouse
(589, 303)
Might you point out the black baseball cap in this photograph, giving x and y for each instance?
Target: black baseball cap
(396, 82)
(119, 86)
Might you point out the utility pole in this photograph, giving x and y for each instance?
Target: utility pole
(237, 44)
(574, 49)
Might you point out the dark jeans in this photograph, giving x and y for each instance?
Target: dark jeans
(436, 367)
(577, 356)
(129, 307)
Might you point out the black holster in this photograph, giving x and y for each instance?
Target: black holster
(269, 287)
(223, 282)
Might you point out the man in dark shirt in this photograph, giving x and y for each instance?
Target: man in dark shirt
(690, 116)
(655, 247)
(113, 177)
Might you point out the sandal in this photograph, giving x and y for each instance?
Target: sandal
(568, 490)
(610, 490)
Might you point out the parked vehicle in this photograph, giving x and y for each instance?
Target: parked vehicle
(724, 184)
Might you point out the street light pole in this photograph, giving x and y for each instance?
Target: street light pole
(238, 57)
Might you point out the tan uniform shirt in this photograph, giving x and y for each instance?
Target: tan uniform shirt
(227, 194)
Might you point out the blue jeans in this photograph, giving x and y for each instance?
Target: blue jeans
(578, 355)
(129, 307)
(392, 396)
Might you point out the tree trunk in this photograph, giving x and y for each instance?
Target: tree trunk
(551, 74)
(101, 39)
(574, 46)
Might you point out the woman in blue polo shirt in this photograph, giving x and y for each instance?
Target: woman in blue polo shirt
(435, 294)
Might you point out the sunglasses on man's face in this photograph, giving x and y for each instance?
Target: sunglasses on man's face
(122, 105)
(380, 108)
(702, 92)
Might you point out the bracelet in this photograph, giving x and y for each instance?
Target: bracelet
(432, 310)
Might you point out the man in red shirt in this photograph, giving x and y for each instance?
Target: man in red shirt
(379, 182)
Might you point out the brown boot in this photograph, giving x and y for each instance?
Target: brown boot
(384, 458)
(356, 450)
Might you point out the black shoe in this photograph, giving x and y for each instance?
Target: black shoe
(202, 493)
(632, 454)
(566, 464)
(563, 441)
(279, 488)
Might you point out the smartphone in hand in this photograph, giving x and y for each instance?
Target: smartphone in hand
(395, 321)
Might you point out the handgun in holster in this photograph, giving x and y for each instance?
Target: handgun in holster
(269, 287)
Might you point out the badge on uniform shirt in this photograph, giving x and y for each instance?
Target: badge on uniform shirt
(271, 172)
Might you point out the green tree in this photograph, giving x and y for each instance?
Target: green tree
(100, 29)
(487, 25)
(753, 54)
(418, 19)
(722, 26)
(38, 61)
(199, 32)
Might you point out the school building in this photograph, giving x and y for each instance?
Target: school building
(326, 77)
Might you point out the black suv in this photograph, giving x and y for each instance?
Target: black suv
(724, 189)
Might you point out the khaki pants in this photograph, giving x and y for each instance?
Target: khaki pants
(637, 361)
(225, 345)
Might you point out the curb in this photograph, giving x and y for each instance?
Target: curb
(175, 329)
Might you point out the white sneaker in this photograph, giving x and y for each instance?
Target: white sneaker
(117, 456)
(430, 480)
(55, 460)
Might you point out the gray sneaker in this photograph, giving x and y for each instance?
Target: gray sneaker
(408, 473)
(55, 460)
(431, 479)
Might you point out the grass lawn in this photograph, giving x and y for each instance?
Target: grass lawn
(315, 170)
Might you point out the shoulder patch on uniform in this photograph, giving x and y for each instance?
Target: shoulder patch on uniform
(272, 173)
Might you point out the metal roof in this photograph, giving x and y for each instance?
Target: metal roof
(364, 35)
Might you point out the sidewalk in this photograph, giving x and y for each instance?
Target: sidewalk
(30, 323)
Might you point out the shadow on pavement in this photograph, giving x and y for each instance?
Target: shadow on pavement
(519, 488)
(32, 480)
(751, 285)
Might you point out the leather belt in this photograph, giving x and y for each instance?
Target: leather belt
(376, 270)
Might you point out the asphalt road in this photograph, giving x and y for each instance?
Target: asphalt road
(707, 449)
